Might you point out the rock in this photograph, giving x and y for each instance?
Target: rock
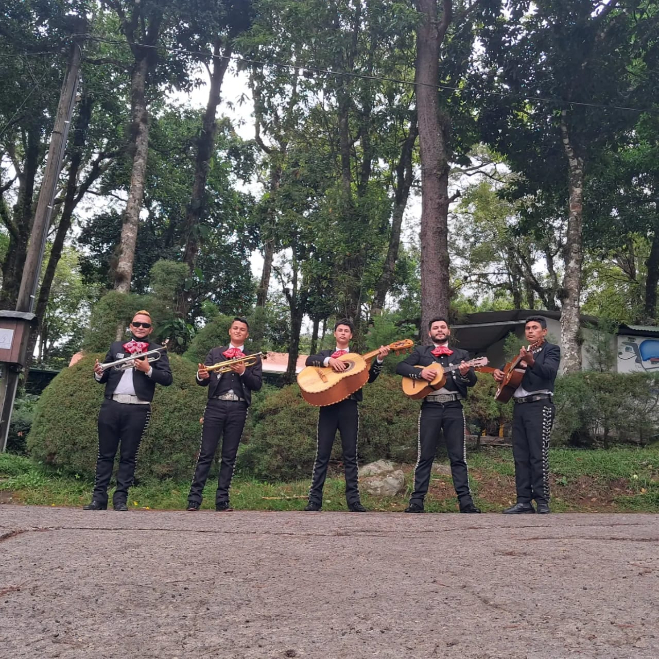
(442, 470)
(377, 468)
(385, 486)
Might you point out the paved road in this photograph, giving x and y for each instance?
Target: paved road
(273, 585)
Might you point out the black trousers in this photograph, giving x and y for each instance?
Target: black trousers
(223, 419)
(344, 417)
(447, 417)
(118, 425)
(532, 424)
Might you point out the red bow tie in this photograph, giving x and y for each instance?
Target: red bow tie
(136, 347)
(441, 350)
(233, 353)
(338, 353)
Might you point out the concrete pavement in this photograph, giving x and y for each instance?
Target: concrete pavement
(240, 585)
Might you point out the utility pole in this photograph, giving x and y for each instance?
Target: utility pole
(15, 326)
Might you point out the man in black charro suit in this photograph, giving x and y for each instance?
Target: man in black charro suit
(229, 397)
(126, 410)
(441, 410)
(342, 416)
(533, 419)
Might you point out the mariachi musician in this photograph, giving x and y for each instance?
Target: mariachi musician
(229, 396)
(126, 410)
(441, 410)
(533, 418)
(342, 416)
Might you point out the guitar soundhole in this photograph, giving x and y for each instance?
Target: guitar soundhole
(349, 366)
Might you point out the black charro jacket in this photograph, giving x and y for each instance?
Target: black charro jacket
(145, 386)
(422, 356)
(250, 380)
(319, 360)
(542, 375)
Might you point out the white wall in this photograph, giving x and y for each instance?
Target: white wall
(637, 354)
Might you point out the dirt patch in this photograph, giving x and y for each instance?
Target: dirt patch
(583, 494)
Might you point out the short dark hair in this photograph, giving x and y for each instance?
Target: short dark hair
(347, 322)
(537, 319)
(240, 320)
(437, 319)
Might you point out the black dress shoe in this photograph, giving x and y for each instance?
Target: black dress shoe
(193, 505)
(469, 508)
(95, 505)
(542, 508)
(223, 507)
(313, 507)
(414, 508)
(357, 508)
(519, 509)
(121, 506)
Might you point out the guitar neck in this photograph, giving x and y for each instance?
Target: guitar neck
(369, 355)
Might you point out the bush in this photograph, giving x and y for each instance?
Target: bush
(282, 443)
(215, 333)
(64, 431)
(600, 408)
(112, 310)
(482, 412)
(21, 422)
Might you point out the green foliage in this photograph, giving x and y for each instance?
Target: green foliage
(112, 310)
(601, 348)
(512, 344)
(595, 409)
(167, 279)
(482, 412)
(282, 442)
(215, 333)
(64, 432)
(21, 422)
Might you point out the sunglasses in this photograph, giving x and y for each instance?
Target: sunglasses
(144, 325)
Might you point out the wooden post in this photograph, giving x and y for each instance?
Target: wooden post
(10, 372)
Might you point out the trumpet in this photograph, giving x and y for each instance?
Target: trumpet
(127, 362)
(225, 367)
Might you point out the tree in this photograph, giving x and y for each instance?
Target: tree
(560, 108)
(222, 22)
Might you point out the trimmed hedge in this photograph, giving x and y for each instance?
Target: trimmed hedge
(64, 431)
(282, 444)
(280, 436)
(600, 408)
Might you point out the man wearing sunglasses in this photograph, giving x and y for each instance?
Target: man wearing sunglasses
(126, 410)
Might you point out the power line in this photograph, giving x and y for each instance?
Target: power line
(239, 59)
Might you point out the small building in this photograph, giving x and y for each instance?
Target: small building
(277, 362)
(636, 347)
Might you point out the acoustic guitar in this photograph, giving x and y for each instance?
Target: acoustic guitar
(322, 385)
(418, 389)
(513, 373)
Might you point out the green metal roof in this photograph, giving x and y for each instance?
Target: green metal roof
(640, 329)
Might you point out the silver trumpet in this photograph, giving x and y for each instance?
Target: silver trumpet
(127, 362)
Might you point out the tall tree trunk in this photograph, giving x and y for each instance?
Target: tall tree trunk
(21, 226)
(269, 251)
(72, 196)
(350, 275)
(404, 179)
(140, 148)
(433, 129)
(573, 256)
(297, 314)
(652, 279)
(205, 146)
(314, 336)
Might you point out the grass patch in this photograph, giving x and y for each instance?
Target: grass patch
(616, 480)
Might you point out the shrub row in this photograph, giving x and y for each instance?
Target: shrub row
(64, 431)
(279, 444)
